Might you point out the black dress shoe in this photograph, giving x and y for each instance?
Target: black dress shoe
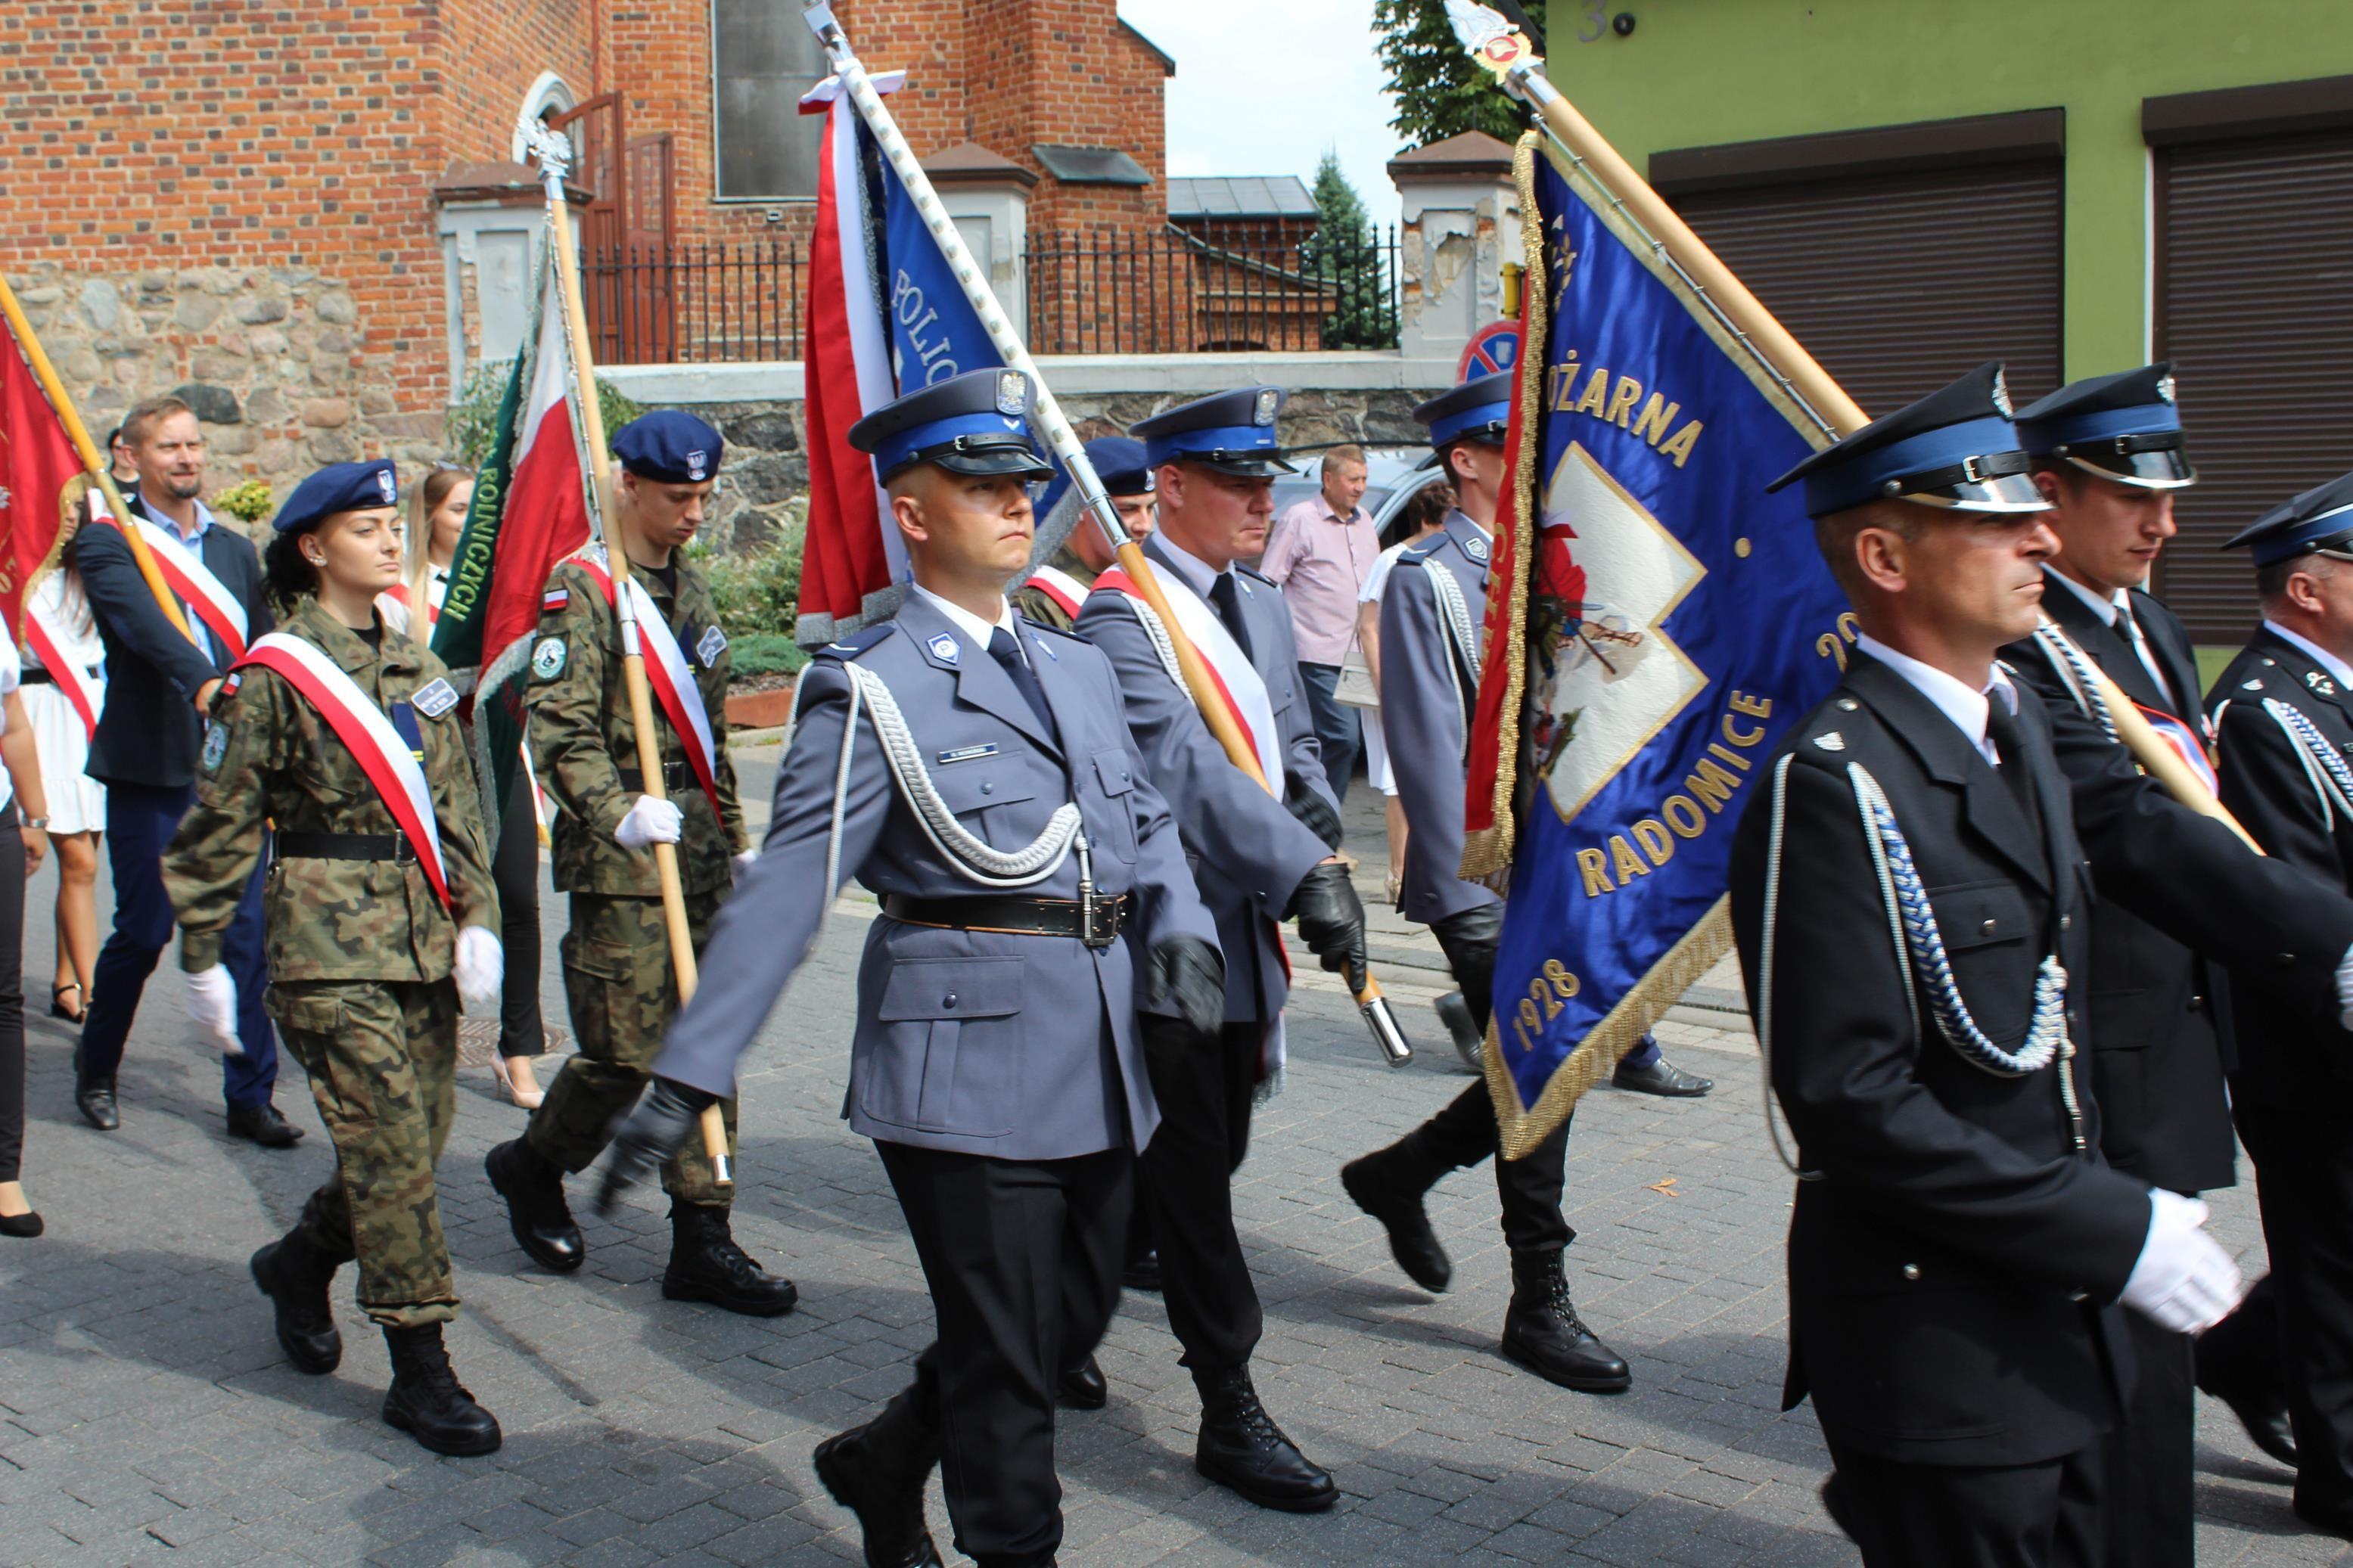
(2267, 1426)
(263, 1125)
(296, 1277)
(536, 1212)
(1390, 1195)
(1143, 1274)
(2337, 1522)
(705, 1265)
(1662, 1077)
(23, 1226)
(94, 1098)
(1542, 1332)
(1470, 1045)
(428, 1402)
(1083, 1387)
(878, 1472)
(1242, 1447)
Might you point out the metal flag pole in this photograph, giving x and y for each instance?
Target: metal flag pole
(554, 151)
(1505, 51)
(1198, 681)
(92, 460)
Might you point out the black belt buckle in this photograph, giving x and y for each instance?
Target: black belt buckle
(1098, 916)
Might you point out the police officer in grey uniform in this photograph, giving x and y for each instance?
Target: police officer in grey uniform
(1259, 860)
(1431, 638)
(1034, 899)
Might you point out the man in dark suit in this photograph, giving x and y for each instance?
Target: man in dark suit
(2282, 716)
(160, 684)
(1911, 904)
(2108, 456)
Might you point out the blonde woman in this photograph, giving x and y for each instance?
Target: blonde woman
(437, 515)
(61, 708)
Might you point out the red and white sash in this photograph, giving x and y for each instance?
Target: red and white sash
(1240, 686)
(193, 582)
(672, 678)
(1058, 585)
(47, 639)
(368, 735)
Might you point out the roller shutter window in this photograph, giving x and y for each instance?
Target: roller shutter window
(1898, 282)
(2255, 306)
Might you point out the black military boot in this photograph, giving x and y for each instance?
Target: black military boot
(1542, 1332)
(1240, 1446)
(878, 1472)
(428, 1402)
(1385, 1186)
(296, 1277)
(536, 1212)
(705, 1265)
(1083, 1387)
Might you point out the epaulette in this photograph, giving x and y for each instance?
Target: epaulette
(857, 642)
(1049, 630)
(1244, 566)
(1423, 549)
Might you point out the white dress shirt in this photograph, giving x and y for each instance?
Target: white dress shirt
(2328, 660)
(1968, 707)
(2108, 610)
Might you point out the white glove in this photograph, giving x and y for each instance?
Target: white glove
(744, 862)
(481, 966)
(2183, 1280)
(650, 822)
(2345, 991)
(212, 1007)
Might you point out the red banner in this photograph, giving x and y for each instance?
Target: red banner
(38, 465)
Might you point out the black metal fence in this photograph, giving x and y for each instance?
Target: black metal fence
(1225, 288)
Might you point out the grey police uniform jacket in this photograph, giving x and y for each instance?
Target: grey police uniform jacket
(1022, 1047)
(1430, 684)
(1247, 852)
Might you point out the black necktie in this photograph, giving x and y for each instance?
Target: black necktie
(1001, 648)
(1230, 610)
(2003, 728)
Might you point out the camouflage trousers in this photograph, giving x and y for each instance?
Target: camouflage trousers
(618, 980)
(383, 1062)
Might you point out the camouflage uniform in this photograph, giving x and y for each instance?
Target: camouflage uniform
(360, 951)
(618, 975)
(1038, 605)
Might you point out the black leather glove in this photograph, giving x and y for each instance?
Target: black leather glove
(1313, 812)
(1187, 974)
(644, 1141)
(1332, 921)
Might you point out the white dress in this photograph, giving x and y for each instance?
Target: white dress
(395, 610)
(1377, 750)
(77, 801)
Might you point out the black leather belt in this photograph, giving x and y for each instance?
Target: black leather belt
(345, 846)
(1095, 919)
(34, 675)
(675, 778)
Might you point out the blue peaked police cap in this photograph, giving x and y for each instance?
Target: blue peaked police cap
(2122, 427)
(1232, 432)
(338, 487)
(1478, 410)
(2319, 518)
(1119, 464)
(669, 447)
(976, 423)
(1955, 447)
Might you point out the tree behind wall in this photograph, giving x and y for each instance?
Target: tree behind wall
(1344, 257)
(1439, 92)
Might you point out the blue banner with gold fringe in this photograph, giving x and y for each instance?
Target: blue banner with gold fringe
(1658, 621)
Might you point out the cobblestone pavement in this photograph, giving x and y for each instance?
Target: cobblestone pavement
(146, 1414)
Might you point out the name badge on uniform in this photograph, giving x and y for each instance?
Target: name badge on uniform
(434, 698)
(714, 644)
(967, 753)
(943, 648)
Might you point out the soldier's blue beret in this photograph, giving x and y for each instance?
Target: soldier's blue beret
(1955, 447)
(1229, 431)
(669, 447)
(338, 487)
(1478, 410)
(2122, 426)
(1119, 463)
(977, 423)
(2319, 518)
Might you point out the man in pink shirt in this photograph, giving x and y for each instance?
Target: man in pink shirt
(1320, 552)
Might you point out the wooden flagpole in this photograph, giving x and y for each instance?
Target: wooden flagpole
(554, 151)
(92, 460)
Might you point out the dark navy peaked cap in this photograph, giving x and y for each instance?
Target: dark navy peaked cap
(1478, 410)
(976, 423)
(338, 487)
(1119, 464)
(1955, 448)
(2320, 518)
(668, 447)
(2122, 426)
(1230, 431)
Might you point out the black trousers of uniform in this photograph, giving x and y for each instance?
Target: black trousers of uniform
(515, 871)
(1906, 1515)
(1465, 1132)
(1203, 1087)
(2152, 1457)
(2303, 1179)
(1023, 1261)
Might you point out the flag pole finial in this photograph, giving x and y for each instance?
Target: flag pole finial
(552, 148)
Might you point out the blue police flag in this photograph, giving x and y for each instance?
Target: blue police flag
(1656, 621)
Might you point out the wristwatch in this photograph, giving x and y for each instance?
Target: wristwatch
(40, 822)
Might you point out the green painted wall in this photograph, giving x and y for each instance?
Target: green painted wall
(1696, 73)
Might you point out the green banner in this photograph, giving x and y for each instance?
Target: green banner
(458, 634)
